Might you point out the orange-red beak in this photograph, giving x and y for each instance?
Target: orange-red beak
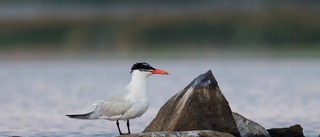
(159, 71)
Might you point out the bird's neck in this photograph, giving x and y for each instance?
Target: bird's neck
(138, 83)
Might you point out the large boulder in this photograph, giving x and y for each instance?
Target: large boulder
(292, 131)
(199, 106)
(194, 133)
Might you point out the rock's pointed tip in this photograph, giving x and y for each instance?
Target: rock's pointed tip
(204, 79)
(209, 72)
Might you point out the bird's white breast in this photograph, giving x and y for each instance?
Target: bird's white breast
(139, 107)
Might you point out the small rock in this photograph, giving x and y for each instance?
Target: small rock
(248, 128)
(292, 131)
(195, 133)
(199, 106)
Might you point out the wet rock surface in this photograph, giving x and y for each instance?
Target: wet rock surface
(292, 131)
(249, 128)
(199, 106)
(195, 133)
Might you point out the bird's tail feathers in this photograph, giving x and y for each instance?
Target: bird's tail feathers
(90, 115)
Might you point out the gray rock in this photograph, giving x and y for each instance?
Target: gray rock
(248, 128)
(195, 133)
(199, 106)
(292, 131)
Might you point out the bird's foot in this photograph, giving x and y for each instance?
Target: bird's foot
(125, 133)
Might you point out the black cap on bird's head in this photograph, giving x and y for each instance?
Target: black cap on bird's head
(144, 66)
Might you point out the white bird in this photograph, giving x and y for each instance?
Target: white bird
(127, 104)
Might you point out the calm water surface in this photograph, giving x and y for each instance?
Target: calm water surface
(36, 94)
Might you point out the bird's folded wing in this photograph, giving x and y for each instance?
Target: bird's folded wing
(114, 106)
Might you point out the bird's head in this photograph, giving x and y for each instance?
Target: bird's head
(144, 67)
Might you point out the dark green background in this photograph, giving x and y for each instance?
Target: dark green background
(112, 26)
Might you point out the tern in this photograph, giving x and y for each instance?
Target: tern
(130, 103)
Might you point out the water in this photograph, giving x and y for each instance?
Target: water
(36, 94)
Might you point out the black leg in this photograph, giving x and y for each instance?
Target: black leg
(119, 128)
(128, 126)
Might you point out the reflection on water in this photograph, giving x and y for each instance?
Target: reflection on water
(35, 95)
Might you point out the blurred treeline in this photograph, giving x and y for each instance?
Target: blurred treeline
(133, 25)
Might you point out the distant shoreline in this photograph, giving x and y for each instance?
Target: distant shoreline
(157, 54)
